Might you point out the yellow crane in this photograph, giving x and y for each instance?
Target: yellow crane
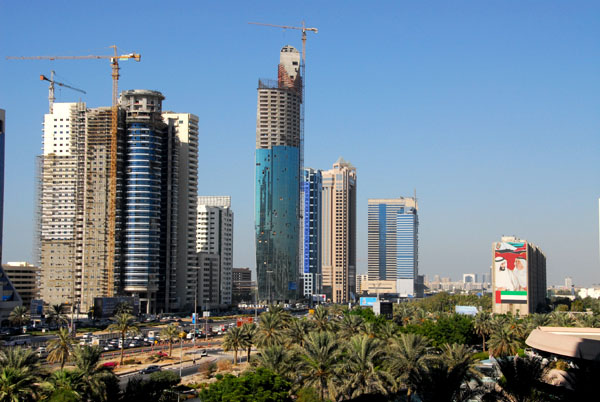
(112, 202)
(52, 82)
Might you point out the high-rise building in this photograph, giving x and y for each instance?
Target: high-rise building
(518, 277)
(362, 283)
(338, 245)
(25, 279)
(310, 232)
(393, 252)
(469, 278)
(153, 230)
(242, 286)
(2, 142)
(568, 282)
(185, 128)
(214, 235)
(277, 187)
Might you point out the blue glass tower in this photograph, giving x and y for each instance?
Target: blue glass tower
(277, 186)
(393, 242)
(312, 186)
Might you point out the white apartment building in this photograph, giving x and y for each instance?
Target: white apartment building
(214, 235)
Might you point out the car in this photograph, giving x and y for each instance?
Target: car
(203, 353)
(150, 369)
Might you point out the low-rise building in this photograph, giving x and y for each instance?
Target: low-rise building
(25, 278)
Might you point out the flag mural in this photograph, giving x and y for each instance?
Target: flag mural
(510, 272)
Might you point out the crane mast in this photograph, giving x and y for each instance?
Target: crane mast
(51, 97)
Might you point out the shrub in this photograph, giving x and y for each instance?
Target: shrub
(481, 356)
(224, 365)
(207, 369)
(261, 385)
(129, 361)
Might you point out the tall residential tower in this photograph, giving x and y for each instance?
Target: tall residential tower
(310, 232)
(338, 244)
(277, 186)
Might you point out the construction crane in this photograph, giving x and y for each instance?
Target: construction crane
(51, 97)
(112, 199)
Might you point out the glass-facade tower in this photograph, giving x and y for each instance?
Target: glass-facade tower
(310, 256)
(277, 186)
(393, 242)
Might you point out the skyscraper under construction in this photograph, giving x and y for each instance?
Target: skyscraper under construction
(154, 214)
(277, 186)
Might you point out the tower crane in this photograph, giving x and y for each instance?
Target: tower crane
(51, 97)
(112, 199)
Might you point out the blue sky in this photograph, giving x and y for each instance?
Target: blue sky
(490, 110)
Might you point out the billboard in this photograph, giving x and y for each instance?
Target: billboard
(367, 301)
(244, 320)
(510, 272)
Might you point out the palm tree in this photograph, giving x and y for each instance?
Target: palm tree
(362, 373)
(56, 314)
(19, 316)
(270, 330)
(275, 358)
(319, 364)
(65, 385)
(234, 340)
(350, 325)
(522, 380)
(20, 370)
(482, 325)
(504, 342)
(170, 333)
(586, 321)
(249, 337)
(388, 331)
(122, 307)
(297, 330)
(124, 325)
(96, 378)
(371, 329)
(321, 319)
(408, 356)
(561, 319)
(60, 348)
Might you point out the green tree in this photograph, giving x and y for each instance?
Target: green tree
(19, 316)
(100, 383)
(408, 355)
(123, 308)
(60, 348)
(20, 372)
(297, 330)
(319, 363)
(362, 371)
(170, 333)
(275, 358)
(57, 314)
(482, 325)
(261, 385)
(234, 340)
(504, 342)
(350, 325)
(321, 320)
(249, 338)
(159, 387)
(522, 380)
(270, 330)
(65, 385)
(124, 324)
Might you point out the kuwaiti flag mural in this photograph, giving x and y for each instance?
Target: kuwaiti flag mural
(511, 296)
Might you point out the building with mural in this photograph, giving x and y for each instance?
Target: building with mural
(518, 277)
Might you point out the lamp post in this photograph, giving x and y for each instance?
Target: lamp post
(181, 335)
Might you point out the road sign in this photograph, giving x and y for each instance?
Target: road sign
(206, 314)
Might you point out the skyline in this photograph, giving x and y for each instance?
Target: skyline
(454, 72)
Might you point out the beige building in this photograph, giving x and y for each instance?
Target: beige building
(339, 232)
(25, 279)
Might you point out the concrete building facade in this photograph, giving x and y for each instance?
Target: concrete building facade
(338, 245)
(518, 277)
(214, 235)
(393, 252)
(242, 285)
(277, 186)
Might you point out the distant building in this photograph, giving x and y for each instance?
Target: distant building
(25, 279)
(519, 276)
(362, 283)
(568, 282)
(469, 278)
(393, 243)
(338, 243)
(9, 298)
(310, 232)
(214, 235)
(242, 285)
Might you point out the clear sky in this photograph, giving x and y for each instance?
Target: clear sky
(489, 109)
